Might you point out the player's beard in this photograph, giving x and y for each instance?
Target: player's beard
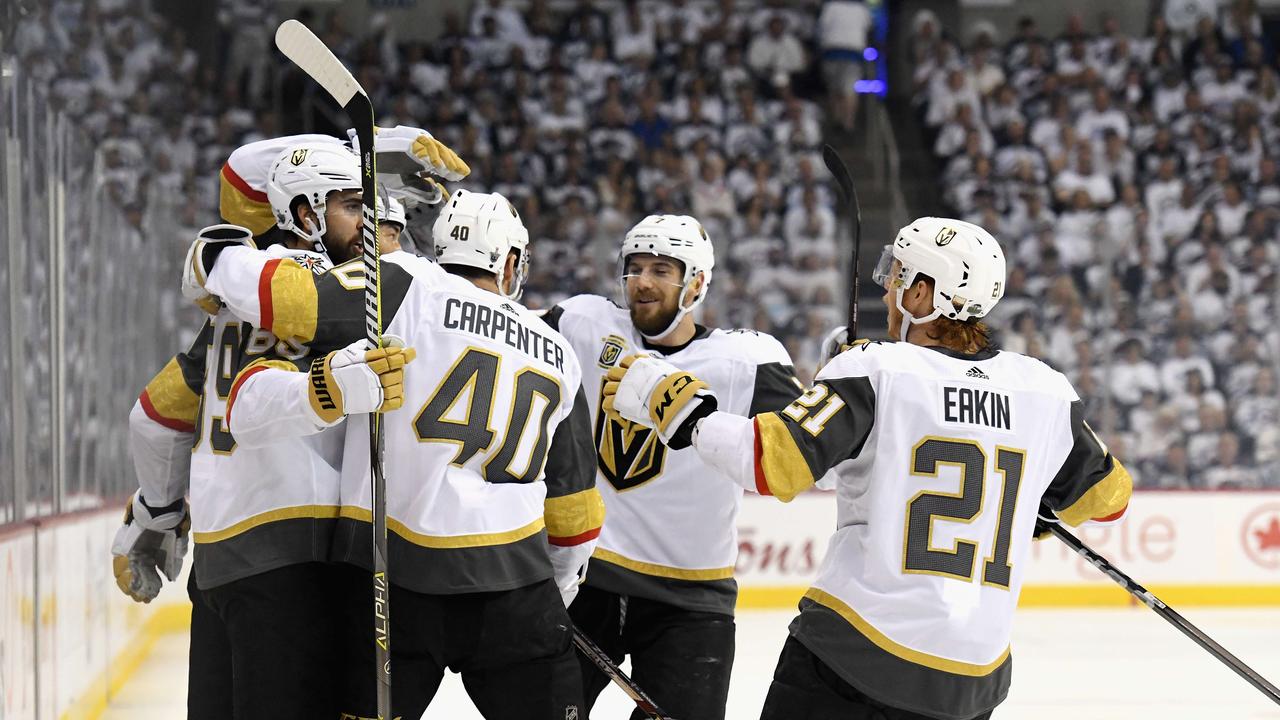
(651, 319)
(342, 250)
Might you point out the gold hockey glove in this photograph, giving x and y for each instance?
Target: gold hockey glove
(151, 541)
(355, 380)
(657, 394)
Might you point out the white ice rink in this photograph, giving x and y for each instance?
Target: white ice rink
(1068, 664)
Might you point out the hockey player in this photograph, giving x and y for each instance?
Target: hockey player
(255, 541)
(492, 509)
(661, 585)
(943, 449)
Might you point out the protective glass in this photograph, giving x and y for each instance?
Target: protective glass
(661, 274)
(884, 267)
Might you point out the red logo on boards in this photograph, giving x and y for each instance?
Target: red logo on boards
(1261, 536)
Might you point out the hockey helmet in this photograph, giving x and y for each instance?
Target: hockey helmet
(390, 210)
(479, 230)
(680, 237)
(966, 263)
(310, 171)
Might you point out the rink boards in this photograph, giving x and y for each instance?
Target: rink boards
(1190, 548)
(68, 637)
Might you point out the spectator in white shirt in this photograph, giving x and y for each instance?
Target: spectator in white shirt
(508, 22)
(1133, 374)
(1174, 370)
(1226, 473)
(776, 55)
(945, 96)
(1231, 211)
(1165, 190)
(810, 227)
(1220, 93)
(842, 36)
(985, 75)
(633, 35)
(1102, 116)
(954, 135)
(1096, 185)
(1003, 108)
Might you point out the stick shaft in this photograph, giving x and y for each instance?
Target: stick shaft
(1172, 616)
(607, 666)
(361, 113)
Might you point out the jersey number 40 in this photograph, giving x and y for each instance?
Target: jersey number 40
(470, 384)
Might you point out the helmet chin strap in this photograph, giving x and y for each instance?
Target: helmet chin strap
(909, 319)
(316, 236)
(675, 320)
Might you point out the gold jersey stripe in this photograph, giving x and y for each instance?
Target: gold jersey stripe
(574, 514)
(903, 652)
(240, 204)
(444, 542)
(1108, 496)
(646, 568)
(321, 512)
(779, 460)
(288, 300)
(171, 398)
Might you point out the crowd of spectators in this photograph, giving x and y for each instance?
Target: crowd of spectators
(1133, 183)
(587, 115)
(593, 115)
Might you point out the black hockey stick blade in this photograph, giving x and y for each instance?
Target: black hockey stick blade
(840, 171)
(1174, 617)
(607, 666)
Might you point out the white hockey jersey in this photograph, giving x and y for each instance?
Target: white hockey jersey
(670, 536)
(492, 408)
(252, 509)
(941, 462)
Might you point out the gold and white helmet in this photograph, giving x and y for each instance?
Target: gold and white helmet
(680, 237)
(966, 264)
(479, 230)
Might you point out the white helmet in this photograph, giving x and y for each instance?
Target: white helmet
(965, 262)
(310, 171)
(479, 230)
(392, 211)
(675, 236)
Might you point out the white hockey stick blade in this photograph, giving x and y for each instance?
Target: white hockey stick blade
(308, 52)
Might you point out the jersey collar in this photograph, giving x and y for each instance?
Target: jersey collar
(699, 332)
(984, 354)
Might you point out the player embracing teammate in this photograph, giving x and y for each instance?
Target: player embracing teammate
(944, 450)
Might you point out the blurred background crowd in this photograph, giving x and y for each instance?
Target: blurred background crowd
(1132, 178)
(587, 115)
(1133, 183)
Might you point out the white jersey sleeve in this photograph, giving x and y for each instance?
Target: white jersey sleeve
(162, 424)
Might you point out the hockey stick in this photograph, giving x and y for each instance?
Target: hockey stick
(607, 666)
(841, 173)
(1184, 626)
(308, 52)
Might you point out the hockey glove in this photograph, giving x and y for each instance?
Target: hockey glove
(201, 256)
(417, 189)
(355, 380)
(1044, 518)
(657, 394)
(836, 342)
(152, 541)
(405, 150)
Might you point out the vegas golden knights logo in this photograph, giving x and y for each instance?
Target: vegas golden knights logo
(611, 351)
(298, 157)
(944, 237)
(628, 454)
